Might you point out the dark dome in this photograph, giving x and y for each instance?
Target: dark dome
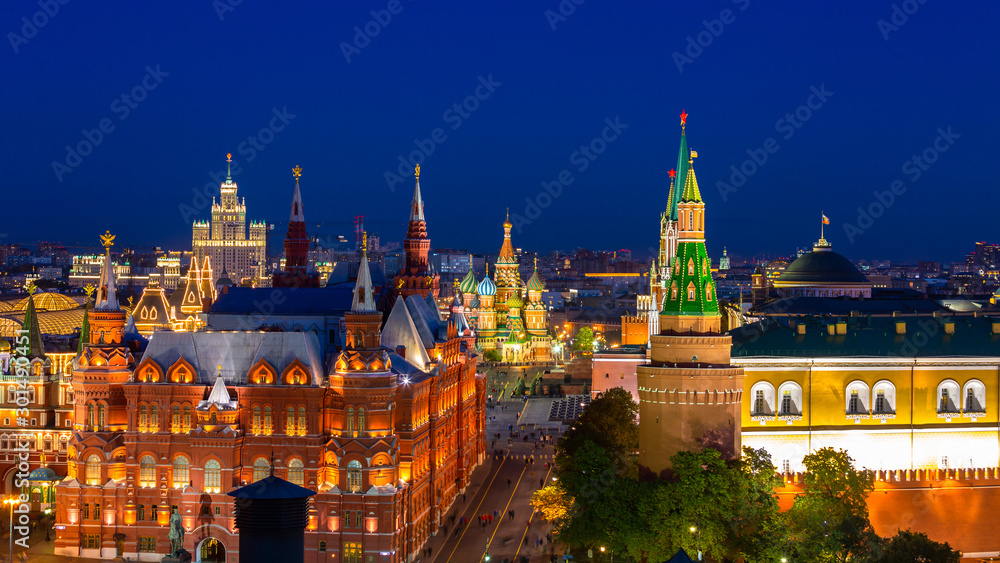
(822, 265)
(43, 474)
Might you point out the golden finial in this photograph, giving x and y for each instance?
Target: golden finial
(417, 171)
(130, 298)
(89, 289)
(536, 262)
(297, 171)
(229, 157)
(30, 287)
(694, 155)
(364, 242)
(107, 239)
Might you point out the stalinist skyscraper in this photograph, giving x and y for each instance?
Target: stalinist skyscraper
(224, 239)
(689, 394)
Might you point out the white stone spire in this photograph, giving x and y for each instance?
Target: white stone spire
(364, 300)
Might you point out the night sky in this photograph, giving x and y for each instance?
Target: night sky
(208, 83)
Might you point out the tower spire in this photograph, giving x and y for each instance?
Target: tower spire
(297, 213)
(364, 300)
(417, 207)
(229, 168)
(682, 168)
(107, 291)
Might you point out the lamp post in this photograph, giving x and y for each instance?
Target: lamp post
(697, 530)
(11, 501)
(486, 553)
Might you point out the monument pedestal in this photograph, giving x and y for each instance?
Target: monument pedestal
(184, 556)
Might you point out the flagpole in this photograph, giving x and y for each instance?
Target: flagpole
(821, 223)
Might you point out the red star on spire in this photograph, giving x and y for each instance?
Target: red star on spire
(684, 117)
(672, 172)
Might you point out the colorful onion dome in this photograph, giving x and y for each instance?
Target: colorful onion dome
(514, 301)
(468, 284)
(487, 287)
(535, 283)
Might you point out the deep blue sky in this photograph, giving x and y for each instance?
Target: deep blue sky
(557, 87)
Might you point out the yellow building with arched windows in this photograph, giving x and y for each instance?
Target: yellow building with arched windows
(917, 392)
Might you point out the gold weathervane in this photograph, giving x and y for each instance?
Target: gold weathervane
(417, 171)
(89, 289)
(107, 239)
(30, 287)
(297, 171)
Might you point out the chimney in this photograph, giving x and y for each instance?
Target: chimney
(401, 351)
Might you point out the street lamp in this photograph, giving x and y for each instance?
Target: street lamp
(695, 530)
(12, 500)
(486, 556)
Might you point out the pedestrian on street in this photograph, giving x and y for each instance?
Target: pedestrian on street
(508, 483)
(541, 482)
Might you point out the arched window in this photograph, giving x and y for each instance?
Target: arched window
(691, 267)
(322, 546)
(708, 292)
(763, 399)
(100, 416)
(948, 397)
(255, 426)
(350, 421)
(975, 396)
(354, 477)
(93, 470)
(290, 421)
(673, 290)
(11, 393)
(261, 468)
(885, 398)
(154, 419)
(268, 421)
(302, 421)
(147, 472)
(187, 419)
(691, 291)
(858, 398)
(213, 476)
(182, 471)
(143, 419)
(296, 472)
(790, 395)
(361, 420)
(690, 221)
(90, 418)
(175, 419)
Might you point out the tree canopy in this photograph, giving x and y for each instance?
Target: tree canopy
(584, 340)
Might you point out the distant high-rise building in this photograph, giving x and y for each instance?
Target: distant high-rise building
(224, 238)
(724, 261)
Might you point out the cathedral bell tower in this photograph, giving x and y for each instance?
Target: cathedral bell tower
(417, 277)
(689, 393)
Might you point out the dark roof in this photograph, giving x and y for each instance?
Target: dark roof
(286, 301)
(680, 557)
(45, 474)
(822, 266)
(808, 305)
(868, 336)
(272, 488)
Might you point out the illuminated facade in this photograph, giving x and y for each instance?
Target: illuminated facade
(224, 239)
(689, 393)
(388, 434)
(182, 310)
(511, 317)
(896, 392)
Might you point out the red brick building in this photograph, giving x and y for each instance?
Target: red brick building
(386, 430)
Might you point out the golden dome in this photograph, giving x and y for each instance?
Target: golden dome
(47, 302)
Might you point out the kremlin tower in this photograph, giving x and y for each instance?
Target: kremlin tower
(417, 278)
(296, 272)
(689, 393)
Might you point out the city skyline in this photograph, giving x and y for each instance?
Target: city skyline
(349, 92)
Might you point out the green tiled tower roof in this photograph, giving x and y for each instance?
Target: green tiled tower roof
(682, 169)
(683, 278)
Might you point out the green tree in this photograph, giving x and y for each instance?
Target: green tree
(585, 390)
(756, 524)
(829, 521)
(907, 546)
(492, 356)
(610, 422)
(520, 388)
(584, 340)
